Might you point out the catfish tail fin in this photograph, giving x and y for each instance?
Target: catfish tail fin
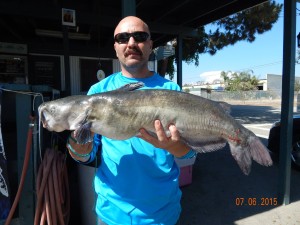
(253, 150)
(259, 152)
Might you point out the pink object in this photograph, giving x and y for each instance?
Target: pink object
(185, 177)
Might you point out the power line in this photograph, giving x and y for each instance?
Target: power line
(260, 66)
(244, 69)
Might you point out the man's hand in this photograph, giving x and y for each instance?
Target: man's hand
(79, 148)
(172, 144)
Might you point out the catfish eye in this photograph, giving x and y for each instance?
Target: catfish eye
(52, 109)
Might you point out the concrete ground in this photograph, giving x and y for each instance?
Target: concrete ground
(220, 194)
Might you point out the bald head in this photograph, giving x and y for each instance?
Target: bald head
(133, 47)
(131, 24)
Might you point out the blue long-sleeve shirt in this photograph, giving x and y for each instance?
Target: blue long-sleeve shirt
(136, 183)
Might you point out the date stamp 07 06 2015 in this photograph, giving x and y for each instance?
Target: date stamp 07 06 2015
(256, 201)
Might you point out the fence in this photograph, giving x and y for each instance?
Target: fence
(246, 97)
(235, 95)
(241, 95)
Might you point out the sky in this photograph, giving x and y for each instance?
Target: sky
(263, 56)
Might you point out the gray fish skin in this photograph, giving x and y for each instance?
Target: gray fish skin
(204, 125)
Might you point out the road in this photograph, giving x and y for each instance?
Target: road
(256, 118)
(217, 183)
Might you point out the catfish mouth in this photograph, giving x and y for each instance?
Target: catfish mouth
(43, 120)
(49, 121)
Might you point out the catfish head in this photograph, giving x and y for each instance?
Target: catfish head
(67, 113)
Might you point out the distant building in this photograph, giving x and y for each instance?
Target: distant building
(274, 83)
(262, 85)
(212, 81)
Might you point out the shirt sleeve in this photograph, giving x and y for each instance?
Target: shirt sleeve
(93, 90)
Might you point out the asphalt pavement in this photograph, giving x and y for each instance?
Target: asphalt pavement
(220, 194)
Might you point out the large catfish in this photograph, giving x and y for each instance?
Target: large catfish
(204, 125)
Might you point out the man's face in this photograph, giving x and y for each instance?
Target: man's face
(133, 53)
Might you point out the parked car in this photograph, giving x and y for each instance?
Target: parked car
(274, 141)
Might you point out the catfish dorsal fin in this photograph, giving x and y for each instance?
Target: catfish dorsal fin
(226, 106)
(131, 86)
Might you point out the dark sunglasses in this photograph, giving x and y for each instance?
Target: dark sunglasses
(139, 36)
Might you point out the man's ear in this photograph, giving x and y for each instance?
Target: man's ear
(115, 49)
(151, 44)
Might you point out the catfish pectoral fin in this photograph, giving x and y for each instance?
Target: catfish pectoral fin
(83, 134)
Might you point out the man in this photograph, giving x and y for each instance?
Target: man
(137, 181)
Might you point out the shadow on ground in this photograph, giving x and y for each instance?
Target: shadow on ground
(218, 187)
(255, 114)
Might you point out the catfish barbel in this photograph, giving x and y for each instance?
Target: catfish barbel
(203, 124)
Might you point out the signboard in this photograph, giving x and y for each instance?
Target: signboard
(68, 17)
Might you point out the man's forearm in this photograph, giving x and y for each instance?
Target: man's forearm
(80, 152)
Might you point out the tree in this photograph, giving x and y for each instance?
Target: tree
(297, 86)
(298, 56)
(242, 81)
(225, 77)
(244, 25)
